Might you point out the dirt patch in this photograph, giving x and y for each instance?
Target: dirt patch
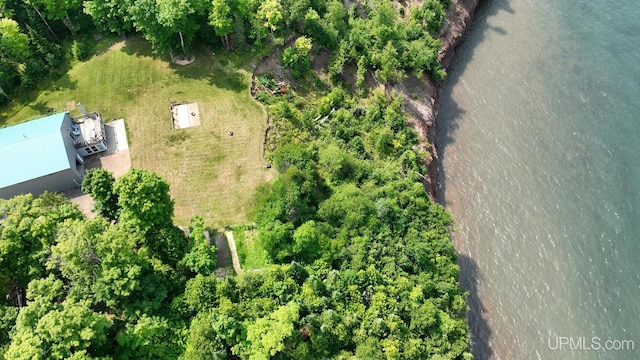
(320, 64)
(454, 28)
(419, 101)
(271, 65)
(117, 45)
(182, 60)
(421, 108)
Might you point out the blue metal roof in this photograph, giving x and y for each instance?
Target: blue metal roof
(32, 149)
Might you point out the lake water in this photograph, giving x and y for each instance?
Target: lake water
(539, 146)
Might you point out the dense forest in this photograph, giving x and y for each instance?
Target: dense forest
(38, 38)
(361, 264)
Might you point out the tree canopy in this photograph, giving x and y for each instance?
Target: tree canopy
(359, 261)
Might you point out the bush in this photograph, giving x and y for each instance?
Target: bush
(80, 49)
(296, 58)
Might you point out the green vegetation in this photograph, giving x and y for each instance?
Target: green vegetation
(251, 255)
(97, 289)
(99, 184)
(296, 57)
(89, 288)
(349, 258)
(348, 207)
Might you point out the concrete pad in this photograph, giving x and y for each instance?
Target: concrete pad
(117, 158)
(118, 163)
(116, 136)
(185, 115)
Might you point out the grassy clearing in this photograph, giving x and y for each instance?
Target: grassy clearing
(250, 254)
(211, 173)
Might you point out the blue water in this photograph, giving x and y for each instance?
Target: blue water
(539, 127)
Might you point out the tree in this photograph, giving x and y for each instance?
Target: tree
(67, 330)
(292, 197)
(167, 243)
(26, 235)
(348, 208)
(310, 242)
(203, 341)
(296, 58)
(294, 11)
(289, 154)
(430, 15)
(144, 200)
(275, 239)
(200, 293)
(13, 43)
(121, 267)
(383, 28)
(337, 164)
(144, 15)
(8, 315)
(267, 335)
(270, 11)
(58, 10)
(336, 16)
(177, 16)
(110, 15)
(202, 257)
(322, 35)
(389, 64)
(151, 337)
(221, 19)
(99, 184)
(76, 254)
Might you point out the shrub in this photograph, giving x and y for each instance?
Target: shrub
(80, 49)
(296, 58)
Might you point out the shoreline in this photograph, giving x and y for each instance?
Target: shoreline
(424, 110)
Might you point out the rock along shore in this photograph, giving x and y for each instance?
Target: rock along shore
(421, 100)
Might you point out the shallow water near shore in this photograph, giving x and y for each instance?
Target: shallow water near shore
(538, 139)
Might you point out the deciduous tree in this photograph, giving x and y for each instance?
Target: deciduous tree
(221, 19)
(202, 257)
(14, 44)
(63, 331)
(267, 336)
(99, 184)
(144, 199)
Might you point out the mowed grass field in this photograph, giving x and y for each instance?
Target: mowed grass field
(211, 173)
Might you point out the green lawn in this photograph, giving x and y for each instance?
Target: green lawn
(211, 173)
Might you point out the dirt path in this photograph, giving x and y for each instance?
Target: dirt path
(234, 252)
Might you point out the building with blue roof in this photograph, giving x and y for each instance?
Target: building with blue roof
(39, 155)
